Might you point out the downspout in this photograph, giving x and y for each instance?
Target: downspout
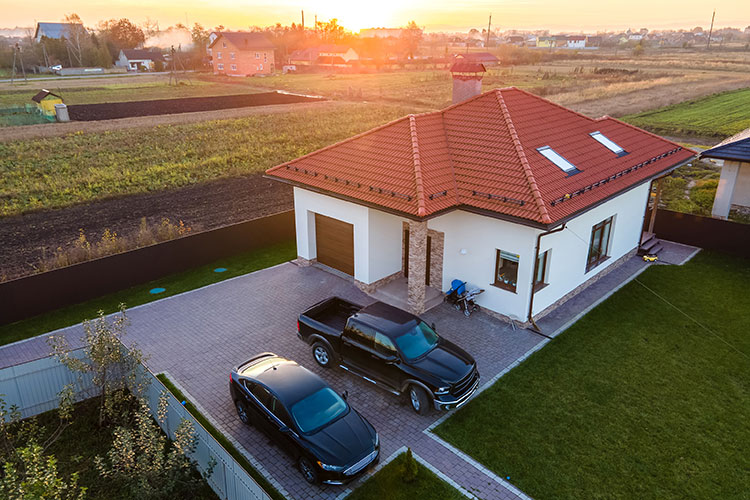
(535, 328)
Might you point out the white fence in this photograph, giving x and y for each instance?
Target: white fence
(34, 388)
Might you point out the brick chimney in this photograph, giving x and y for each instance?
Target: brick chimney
(467, 79)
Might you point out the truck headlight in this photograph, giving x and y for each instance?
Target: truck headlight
(331, 468)
(442, 390)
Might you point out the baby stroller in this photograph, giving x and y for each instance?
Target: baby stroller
(466, 301)
(452, 296)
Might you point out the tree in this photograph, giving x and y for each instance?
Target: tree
(76, 37)
(332, 31)
(35, 477)
(409, 468)
(114, 369)
(123, 33)
(410, 38)
(142, 460)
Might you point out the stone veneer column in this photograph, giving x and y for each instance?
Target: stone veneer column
(417, 265)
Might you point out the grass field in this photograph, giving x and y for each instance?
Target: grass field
(57, 172)
(387, 484)
(635, 400)
(137, 295)
(718, 115)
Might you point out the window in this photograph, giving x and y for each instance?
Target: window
(218, 55)
(262, 394)
(599, 245)
(260, 66)
(384, 346)
(417, 341)
(280, 412)
(257, 55)
(220, 66)
(541, 271)
(265, 57)
(361, 334)
(231, 55)
(608, 143)
(234, 67)
(558, 160)
(224, 44)
(506, 270)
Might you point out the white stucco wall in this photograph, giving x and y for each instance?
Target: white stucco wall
(377, 235)
(723, 200)
(569, 248)
(742, 187)
(481, 237)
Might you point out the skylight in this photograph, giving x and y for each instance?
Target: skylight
(558, 160)
(608, 143)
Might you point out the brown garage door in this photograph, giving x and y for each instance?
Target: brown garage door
(335, 243)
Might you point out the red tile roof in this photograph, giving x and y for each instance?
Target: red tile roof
(482, 154)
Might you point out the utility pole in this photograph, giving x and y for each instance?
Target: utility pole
(17, 55)
(316, 23)
(489, 27)
(708, 42)
(303, 20)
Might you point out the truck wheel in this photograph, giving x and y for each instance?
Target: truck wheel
(418, 399)
(322, 354)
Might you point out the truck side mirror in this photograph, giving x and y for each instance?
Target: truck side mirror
(345, 395)
(434, 329)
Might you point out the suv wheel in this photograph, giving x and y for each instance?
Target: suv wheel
(242, 411)
(418, 399)
(322, 354)
(308, 470)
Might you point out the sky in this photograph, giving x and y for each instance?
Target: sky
(434, 15)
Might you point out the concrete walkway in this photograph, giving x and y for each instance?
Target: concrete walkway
(198, 336)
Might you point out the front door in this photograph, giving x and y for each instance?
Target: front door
(427, 261)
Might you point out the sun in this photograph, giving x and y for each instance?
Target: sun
(355, 16)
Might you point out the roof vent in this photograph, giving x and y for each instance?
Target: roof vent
(608, 143)
(558, 160)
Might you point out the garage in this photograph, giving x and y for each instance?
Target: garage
(334, 240)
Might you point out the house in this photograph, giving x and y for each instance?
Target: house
(593, 41)
(547, 42)
(575, 41)
(733, 192)
(484, 58)
(242, 53)
(324, 55)
(139, 59)
(506, 190)
(56, 30)
(46, 100)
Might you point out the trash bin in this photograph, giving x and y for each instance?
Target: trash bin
(61, 112)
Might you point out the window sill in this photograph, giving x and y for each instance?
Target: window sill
(504, 286)
(595, 264)
(539, 286)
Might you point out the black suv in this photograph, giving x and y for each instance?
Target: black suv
(390, 348)
(330, 441)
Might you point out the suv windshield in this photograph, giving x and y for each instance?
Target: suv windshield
(417, 341)
(317, 410)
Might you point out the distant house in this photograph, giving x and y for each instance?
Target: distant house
(485, 58)
(380, 32)
(139, 59)
(593, 41)
(545, 42)
(576, 42)
(242, 53)
(55, 30)
(324, 55)
(733, 192)
(515, 39)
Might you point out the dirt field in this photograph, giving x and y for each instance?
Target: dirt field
(24, 239)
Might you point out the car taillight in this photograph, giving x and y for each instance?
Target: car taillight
(297, 325)
(230, 379)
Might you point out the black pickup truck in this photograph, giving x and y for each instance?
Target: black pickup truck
(391, 348)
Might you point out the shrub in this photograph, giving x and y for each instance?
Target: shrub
(409, 469)
(35, 477)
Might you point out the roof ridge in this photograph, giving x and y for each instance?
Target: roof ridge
(421, 211)
(450, 155)
(343, 141)
(522, 157)
(607, 117)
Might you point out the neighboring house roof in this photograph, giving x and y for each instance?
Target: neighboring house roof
(142, 55)
(54, 30)
(481, 155)
(334, 49)
(310, 54)
(467, 67)
(44, 93)
(735, 148)
(576, 38)
(245, 40)
(478, 57)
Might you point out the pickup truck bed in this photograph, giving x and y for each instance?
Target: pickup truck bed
(331, 314)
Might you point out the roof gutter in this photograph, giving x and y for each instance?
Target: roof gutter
(534, 326)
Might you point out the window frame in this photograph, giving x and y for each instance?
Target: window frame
(558, 160)
(608, 143)
(544, 281)
(231, 55)
(233, 67)
(604, 244)
(500, 284)
(353, 326)
(220, 66)
(218, 55)
(379, 345)
(257, 55)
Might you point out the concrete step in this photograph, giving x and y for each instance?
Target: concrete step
(396, 294)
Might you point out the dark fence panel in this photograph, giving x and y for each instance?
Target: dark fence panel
(32, 295)
(704, 232)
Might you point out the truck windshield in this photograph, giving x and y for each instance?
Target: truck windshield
(317, 410)
(417, 341)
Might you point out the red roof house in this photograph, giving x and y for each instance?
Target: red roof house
(241, 53)
(518, 195)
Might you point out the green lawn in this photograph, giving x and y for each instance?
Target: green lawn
(61, 171)
(387, 484)
(718, 115)
(81, 442)
(634, 401)
(267, 486)
(174, 284)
